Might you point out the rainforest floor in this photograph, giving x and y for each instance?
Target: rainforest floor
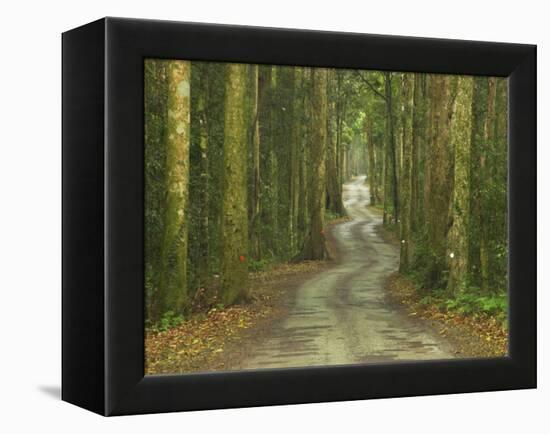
(476, 335)
(212, 341)
(220, 338)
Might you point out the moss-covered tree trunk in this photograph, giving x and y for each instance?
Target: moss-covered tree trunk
(269, 191)
(371, 168)
(303, 195)
(203, 262)
(399, 119)
(282, 150)
(334, 188)
(379, 158)
(440, 167)
(499, 233)
(418, 137)
(386, 172)
(479, 114)
(264, 103)
(173, 285)
(314, 247)
(338, 115)
(406, 186)
(428, 133)
(485, 170)
(391, 191)
(234, 228)
(295, 150)
(458, 239)
(255, 235)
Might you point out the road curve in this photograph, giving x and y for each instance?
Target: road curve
(341, 316)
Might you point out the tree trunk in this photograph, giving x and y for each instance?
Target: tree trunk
(391, 174)
(499, 232)
(485, 170)
(406, 186)
(255, 203)
(379, 162)
(282, 151)
(458, 239)
(418, 137)
(386, 177)
(296, 128)
(314, 247)
(203, 263)
(428, 136)
(334, 188)
(371, 169)
(303, 209)
(268, 208)
(339, 124)
(440, 166)
(477, 142)
(173, 286)
(234, 227)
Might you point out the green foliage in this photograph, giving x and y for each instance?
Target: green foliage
(168, 321)
(260, 265)
(471, 302)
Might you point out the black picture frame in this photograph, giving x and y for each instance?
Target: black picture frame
(103, 218)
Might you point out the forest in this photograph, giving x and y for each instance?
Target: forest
(244, 168)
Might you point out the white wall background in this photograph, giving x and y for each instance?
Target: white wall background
(30, 215)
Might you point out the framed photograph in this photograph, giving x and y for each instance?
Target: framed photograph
(256, 216)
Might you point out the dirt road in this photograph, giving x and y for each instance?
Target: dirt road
(342, 316)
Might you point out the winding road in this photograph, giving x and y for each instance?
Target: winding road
(342, 316)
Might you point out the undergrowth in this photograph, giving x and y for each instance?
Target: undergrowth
(470, 302)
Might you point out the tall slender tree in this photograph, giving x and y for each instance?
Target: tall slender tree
(295, 151)
(439, 167)
(234, 227)
(371, 166)
(334, 187)
(406, 186)
(499, 176)
(485, 173)
(304, 173)
(173, 283)
(479, 115)
(255, 233)
(203, 264)
(268, 163)
(391, 152)
(314, 247)
(418, 139)
(458, 239)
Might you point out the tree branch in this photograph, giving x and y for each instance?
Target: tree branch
(370, 85)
